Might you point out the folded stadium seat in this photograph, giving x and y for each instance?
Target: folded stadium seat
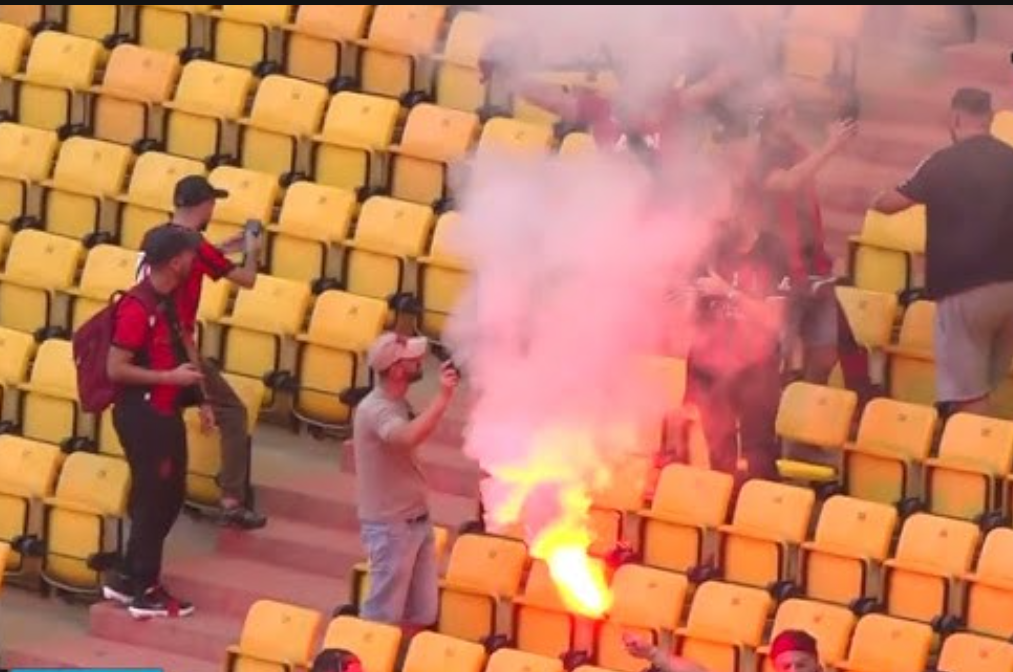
(205, 450)
(331, 354)
(285, 111)
(647, 602)
(542, 622)
(349, 150)
(443, 276)
(689, 505)
(760, 547)
(388, 234)
(38, 265)
(725, 624)
(1002, 126)
(459, 82)
(509, 660)
(919, 582)
(275, 636)
(215, 299)
(316, 42)
(966, 479)
(26, 158)
(171, 28)
(483, 573)
(136, 80)
(988, 599)
(84, 519)
(814, 424)
(819, 49)
(434, 138)
(199, 120)
(59, 67)
(872, 316)
(577, 144)
(241, 34)
(148, 200)
(25, 16)
(314, 219)
(16, 351)
(96, 22)
(359, 588)
(28, 473)
(107, 269)
(49, 410)
(389, 57)
(612, 506)
(885, 644)
(882, 257)
(430, 651)
(911, 365)
(251, 196)
(375, 644)
(509, 136)
(107, 440)
(14, 44)
(844, 561)
(831, 625)
(966, 652)
(87, 173)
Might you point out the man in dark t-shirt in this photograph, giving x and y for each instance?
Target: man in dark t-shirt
(966, 190)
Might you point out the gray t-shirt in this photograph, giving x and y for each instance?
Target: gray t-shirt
(391, 486)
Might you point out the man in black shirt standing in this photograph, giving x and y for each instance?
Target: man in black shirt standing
(967, 190)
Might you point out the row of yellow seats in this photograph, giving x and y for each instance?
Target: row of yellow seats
(74, 505)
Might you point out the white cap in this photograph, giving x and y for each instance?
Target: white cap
(390, 349)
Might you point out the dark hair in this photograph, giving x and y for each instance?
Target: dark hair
(333, 660)
(972, 100)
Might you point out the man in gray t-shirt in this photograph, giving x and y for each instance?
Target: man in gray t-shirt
(393, 509)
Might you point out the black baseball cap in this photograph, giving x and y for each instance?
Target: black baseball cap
(164, 243)
(195, 189)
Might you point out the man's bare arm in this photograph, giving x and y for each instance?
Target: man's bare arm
(892, 201)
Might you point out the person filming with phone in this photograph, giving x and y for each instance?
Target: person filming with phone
(194, 200)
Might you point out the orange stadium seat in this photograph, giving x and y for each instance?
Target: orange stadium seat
(148, 199)
(966, 652)
(275, 636)
(831, 625)
(724, 626)
(25, 16)
(814, 417)
(375, 644)
(885, 644)
(170, 28)
(431, 651)
(458, 82)
(988, 602)
(399, 35)
(316, 42)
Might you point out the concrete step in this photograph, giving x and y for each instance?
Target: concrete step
(986, 61)
(203, 636)
(93, 652)
(447, 469)
(295, 545)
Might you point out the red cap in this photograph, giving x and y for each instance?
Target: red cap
(796, 641)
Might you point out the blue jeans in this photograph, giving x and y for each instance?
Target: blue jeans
(403, 576)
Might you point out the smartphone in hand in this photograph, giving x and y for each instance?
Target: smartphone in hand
(253, 227)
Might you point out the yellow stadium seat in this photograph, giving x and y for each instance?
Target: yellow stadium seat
(215, 298)
(96, 22)
(285, 110)
(87, 172)
(315, 42)
(885, 644)
(975, 455)
(770, 521)
(38, 265)
(26, 157)
(483, 571)
(814, 416)
(108, 269)
(262, 319)
(541, 620)
(5, 240)
(83, 519)
(136, 79)
(313, 219)
(148, 201)
(275, 636)
(688, 504)
(389, 233)
(1002, 126)
(209, 98)
(14, 42)
(820, 47)
(107, 440)
(251, 196)
(647, 602)
(331, 352)
(241, 33)
(458, 80)
(988, 603)
(831, 626)
(375, 644)
(433, 139)
(911, 372)
(870, 314)
(16, 351)
(512, 137)
(613, 504)
(965, 652)
(169, 28)
(443, 275)
(430, 651)
(881, 258)
(398, 36)
(356, 129)
(49, 409)
(25, 16)
(204, 450)
(59, 66)
(576, 145)
(852, 541)
(508, 660)
(5, 552)
(28, 473)
(893, 439)
(725, 623)
(933, 552)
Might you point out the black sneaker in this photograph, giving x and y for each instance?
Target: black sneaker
(158, 603)
(119, 588)
(243, 518)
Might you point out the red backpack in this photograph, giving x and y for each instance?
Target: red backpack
(92, 341)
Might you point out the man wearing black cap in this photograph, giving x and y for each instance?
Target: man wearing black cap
(194, 201)
(148, 361)
(969, 218)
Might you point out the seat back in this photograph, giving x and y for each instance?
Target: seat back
(399, 227)
(214, 89)
(369, 120)
(346, 320)
(966, 652)
(26, 152)
(898, 427)
(943, 543)
(54, 368)
(335, 22)
(155, 176)
(885, 643)
(871, 315)
(14, 41)
(63, 60)
(251, 194)
(96, 22)
(864, 527)
(917, 330)
(467, 38)
(92, 166)
(700, 495)
(283, 632)
(978, 441)
(108, 269)
(318, 211)
(647, 598)
(816, 415)
(273, 305)
(831, 626)
(96, 481)
(493, 563)
(995, 553)
(289, 104)
(439, 132)
(16, 350)
(30, 468)
(143, 73)
(445, 248)
(508, 136)
(737, 611)
(782, 510)
(375, 644)
(407, 29)
(431, 651)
